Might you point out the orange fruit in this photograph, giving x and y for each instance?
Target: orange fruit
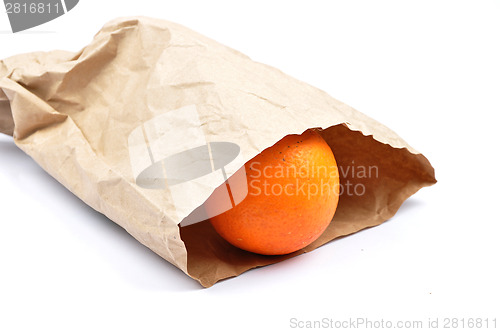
(293, 192)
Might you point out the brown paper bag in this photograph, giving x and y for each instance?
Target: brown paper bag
(146, 121)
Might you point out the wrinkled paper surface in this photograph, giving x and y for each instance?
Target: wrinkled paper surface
(146, 121)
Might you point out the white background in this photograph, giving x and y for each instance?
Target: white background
(430, 70)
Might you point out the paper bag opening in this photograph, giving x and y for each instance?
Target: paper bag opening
(375, 180)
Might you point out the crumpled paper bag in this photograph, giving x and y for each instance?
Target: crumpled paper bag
(146, 121)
